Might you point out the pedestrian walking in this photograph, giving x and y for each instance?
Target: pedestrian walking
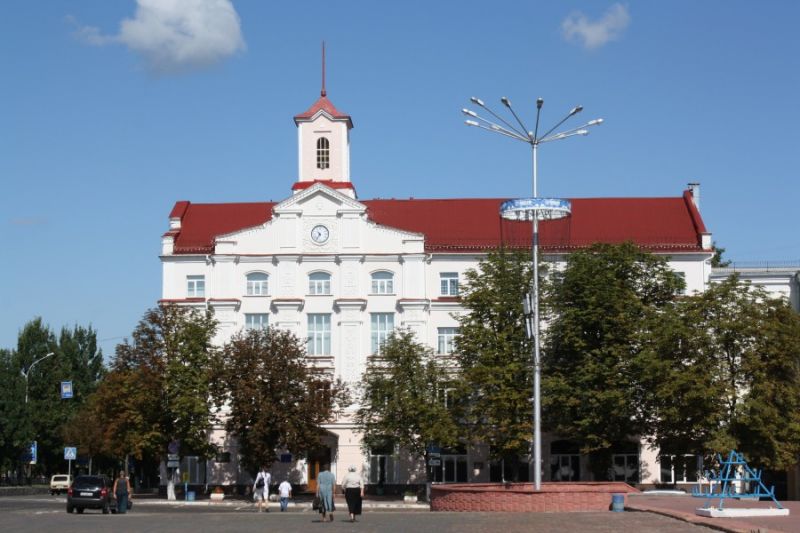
(261, 488)
(325, 484)
(122, 492)
(353, 487)
(285, 492)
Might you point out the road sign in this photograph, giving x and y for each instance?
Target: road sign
(173, 464)
(34, 452)
(66, 390)
(435, 462)
(70, 453)
(286, 458)
(174, 446)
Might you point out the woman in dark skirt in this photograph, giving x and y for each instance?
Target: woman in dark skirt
(353, 492)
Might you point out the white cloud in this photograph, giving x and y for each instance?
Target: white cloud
(176, 35)
(593, 34)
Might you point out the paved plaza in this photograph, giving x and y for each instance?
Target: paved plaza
(39, 513)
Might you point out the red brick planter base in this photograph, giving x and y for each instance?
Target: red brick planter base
(520, 497)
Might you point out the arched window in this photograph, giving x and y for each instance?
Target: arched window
(257, 284)
(323, 153)
(319, 283)
(382, 282)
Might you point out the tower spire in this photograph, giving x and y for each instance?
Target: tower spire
(322, 92)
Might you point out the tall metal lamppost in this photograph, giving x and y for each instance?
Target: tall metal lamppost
(533, 209)
(25, 373)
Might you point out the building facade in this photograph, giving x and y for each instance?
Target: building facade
(343, 272)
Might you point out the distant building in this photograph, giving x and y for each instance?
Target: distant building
(342, 272)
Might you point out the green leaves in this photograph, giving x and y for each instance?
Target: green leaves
(494, 355)
(403, 397)
(275, 399)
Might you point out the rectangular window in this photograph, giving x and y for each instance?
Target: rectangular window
(196, 286)
(256, 320)
(382, 325)
(625, 467)
(319, 334)
(682, 275)
(382, 466)
(319, 285)
(449, 283)
(680, 468)
(257, 285)
(446, 344)
(453, 468)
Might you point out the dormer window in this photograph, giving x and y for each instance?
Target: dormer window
(323, 153)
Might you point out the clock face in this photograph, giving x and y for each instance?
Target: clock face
(319, 234)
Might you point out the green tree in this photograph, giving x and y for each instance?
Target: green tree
(75, 358)
(273, 400)
(494, 355)
(158, 390)
(717, 260)
(727, 376)
(403, 397)
(14, 435)
(603, 306)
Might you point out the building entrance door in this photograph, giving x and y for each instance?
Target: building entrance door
(316, 461)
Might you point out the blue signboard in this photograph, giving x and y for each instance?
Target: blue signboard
(66, 390)
(70, 453)
(286, 458)
(34, 452)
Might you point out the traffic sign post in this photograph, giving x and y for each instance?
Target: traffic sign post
(70, 454)
(66, 390)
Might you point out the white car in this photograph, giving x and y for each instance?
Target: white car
(60, 483)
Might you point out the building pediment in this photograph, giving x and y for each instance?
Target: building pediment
(318, 199)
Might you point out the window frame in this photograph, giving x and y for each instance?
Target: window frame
(257, 287)
(383, 284)
(196, 286)
(381, 460)
(379, 334)
(318, 337)
(690, 475)
(321, 285)
(445, 340)
(448, 284)
(262, 323)
(323, 153)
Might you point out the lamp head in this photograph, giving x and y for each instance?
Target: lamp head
(582, 132)
(595, 122)
(539, 103)
(468, 112)
(477, 101)
(470, 123)
(505, 101)
(575, 110)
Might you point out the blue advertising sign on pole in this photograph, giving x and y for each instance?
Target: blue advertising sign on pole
(34, 452)
(66, 390)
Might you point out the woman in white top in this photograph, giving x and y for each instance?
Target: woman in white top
(353, 492)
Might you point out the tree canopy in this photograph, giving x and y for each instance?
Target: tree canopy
(494, 355)
(726, 374)
(602, 307)
(403, 397)
(271, 399)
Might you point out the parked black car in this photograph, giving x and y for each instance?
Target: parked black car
(90, 492)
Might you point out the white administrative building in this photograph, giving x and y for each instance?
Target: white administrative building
(343, 272)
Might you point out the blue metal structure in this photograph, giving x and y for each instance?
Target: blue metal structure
(735, 470)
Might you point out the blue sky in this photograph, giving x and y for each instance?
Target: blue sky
(108, 116)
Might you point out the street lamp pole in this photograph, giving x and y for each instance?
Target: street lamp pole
(533, 209)
(28, 371)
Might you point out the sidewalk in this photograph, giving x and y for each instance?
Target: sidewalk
(302, 503)
(683, 507)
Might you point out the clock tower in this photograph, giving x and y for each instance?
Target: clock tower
(323, 137)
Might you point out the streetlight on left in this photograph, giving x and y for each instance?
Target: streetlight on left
(28, 371)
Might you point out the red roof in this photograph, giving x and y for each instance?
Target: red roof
(302, 185)
(323, 104)
(474, 225)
